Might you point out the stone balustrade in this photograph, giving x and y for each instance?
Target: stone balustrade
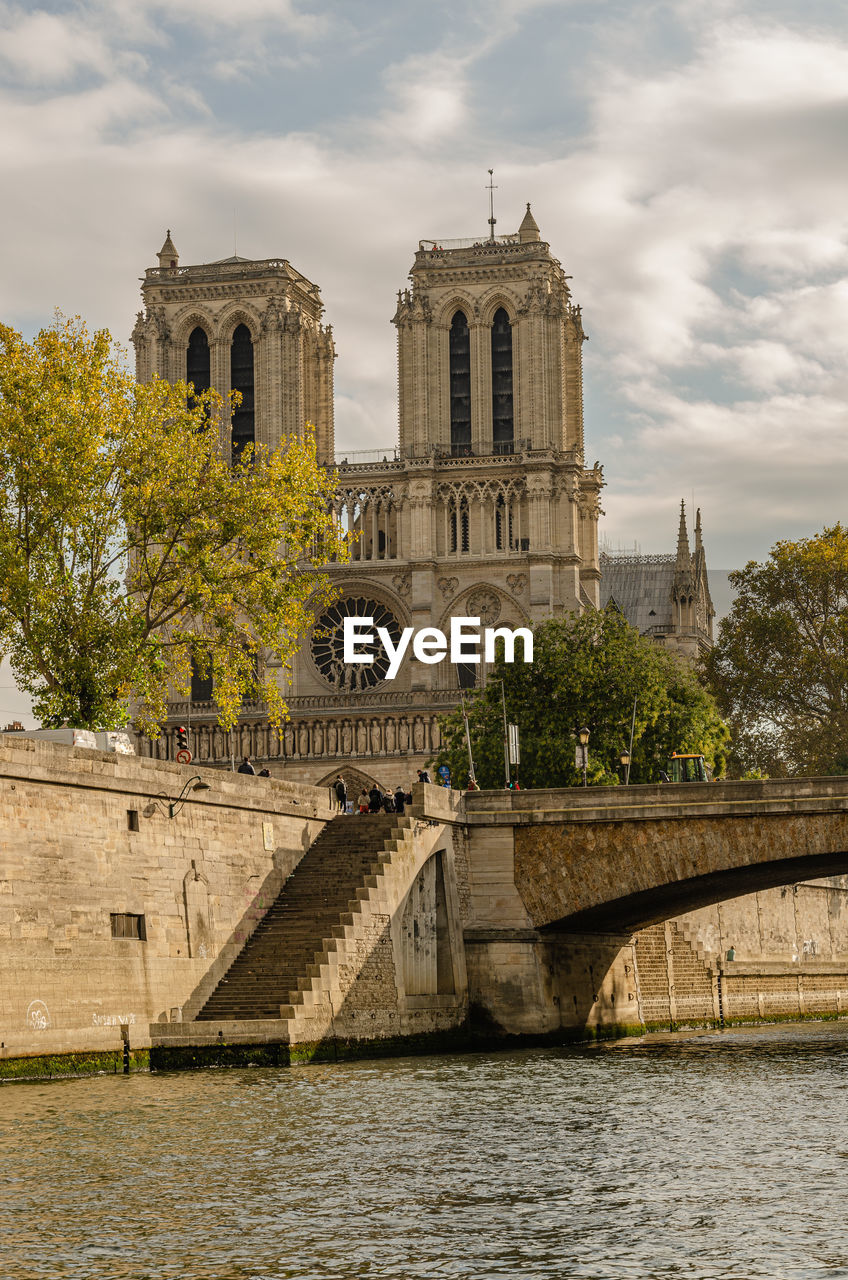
(356, 736)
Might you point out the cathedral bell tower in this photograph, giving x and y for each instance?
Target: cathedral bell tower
(491, 421)
(489, 350)
(244, 325)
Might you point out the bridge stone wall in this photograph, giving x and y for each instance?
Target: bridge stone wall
(560, 882)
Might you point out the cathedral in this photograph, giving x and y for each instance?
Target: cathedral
(665, 597)
(484, 507)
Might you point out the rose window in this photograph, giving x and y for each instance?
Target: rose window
(328, 644)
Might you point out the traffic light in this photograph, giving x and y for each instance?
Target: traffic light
(182, 739)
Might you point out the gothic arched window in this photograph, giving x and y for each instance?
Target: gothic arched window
(460, 386)
(503, 427)
(466, 674)
(241, 379)
(460, 539)
(201, 685)
(197, 361)
(503, 525)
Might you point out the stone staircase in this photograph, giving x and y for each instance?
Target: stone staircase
(695, 934)
(285, 959)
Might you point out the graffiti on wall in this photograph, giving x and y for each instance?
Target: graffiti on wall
(37, 1016)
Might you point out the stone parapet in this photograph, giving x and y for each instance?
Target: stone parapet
(661, 800)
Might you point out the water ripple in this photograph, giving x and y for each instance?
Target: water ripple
(715, 1157)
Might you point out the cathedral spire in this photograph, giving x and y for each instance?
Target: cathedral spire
(684, 558)
(529, 230)
(699, 544)
(168, 257)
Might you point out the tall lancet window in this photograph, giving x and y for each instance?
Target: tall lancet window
(241, 379)
(460, 386)
(197, 361)
(503, 425)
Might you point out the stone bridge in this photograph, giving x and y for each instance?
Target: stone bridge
(256, 916)
(615, 859)
(561, 880)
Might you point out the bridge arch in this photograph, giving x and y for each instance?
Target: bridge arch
(632, 912)
(615, 860)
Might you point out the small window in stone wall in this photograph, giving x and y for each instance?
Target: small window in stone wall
(125, 925)
(132, 819)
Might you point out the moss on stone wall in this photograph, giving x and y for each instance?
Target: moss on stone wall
(62, 1066)
(218, 1054)
(341, 1049)
(459, 1040)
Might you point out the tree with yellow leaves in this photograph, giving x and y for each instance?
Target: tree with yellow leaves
(130, 548)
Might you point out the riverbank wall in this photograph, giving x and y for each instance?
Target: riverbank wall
(114, 915)
(118, 922)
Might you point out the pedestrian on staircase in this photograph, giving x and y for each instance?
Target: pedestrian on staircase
(340, 789)
(388, 802)
(375, 799)
(400, 799)
(363, 801)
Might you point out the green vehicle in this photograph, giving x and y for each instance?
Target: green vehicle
(682, 767)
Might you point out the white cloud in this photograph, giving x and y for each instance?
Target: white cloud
(49, 47)
(427, 100)
(701, 213)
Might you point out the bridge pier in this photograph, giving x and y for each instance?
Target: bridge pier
(523, 982)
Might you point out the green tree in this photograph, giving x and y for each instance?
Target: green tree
(130, 548)
(586, 670)
(780, 668)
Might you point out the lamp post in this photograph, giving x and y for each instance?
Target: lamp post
(583, 738)
(507, 778)
(194, 784)
(625, 764)
(471, 776)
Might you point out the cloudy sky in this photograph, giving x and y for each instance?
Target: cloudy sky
(686, 162)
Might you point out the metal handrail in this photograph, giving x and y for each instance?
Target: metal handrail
(356, 457)
(470, 242)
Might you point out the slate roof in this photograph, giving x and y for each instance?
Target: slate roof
(641, 587)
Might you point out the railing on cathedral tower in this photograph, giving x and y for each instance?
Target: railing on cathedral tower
(395, 455)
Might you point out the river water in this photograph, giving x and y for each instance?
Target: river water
(719, 1155)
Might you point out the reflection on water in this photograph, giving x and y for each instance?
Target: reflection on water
(720, 1156)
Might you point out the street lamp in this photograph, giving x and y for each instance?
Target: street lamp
(583, 738)
(625, 764)
(194, 784)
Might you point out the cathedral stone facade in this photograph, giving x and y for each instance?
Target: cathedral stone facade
(484, 507)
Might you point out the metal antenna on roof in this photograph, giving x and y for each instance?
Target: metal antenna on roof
(492, 219)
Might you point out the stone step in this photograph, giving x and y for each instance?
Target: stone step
(293, 948)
